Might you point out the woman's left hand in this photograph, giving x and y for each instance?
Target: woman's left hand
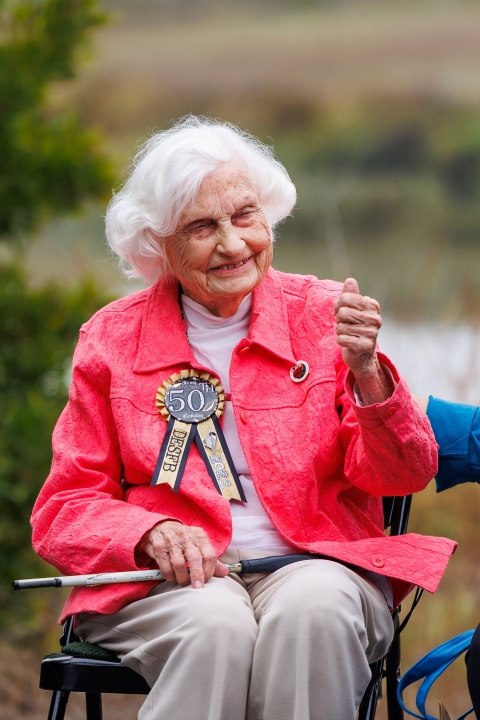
(358, 324)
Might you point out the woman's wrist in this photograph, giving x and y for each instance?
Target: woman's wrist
(373, 384)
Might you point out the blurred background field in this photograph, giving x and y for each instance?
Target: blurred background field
(374, 108)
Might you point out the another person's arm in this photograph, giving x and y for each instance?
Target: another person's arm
(457, 432)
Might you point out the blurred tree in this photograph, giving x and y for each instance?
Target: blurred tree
(50, 164)
(38, 330)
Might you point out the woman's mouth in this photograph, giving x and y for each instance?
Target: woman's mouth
(232, 266)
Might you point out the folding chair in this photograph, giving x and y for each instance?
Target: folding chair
(90, 669)
(396, 511)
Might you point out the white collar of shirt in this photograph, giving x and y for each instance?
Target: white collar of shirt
(199, 318)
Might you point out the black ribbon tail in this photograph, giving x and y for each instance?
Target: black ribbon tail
(223, 443)
(156, 479)
(163, 450)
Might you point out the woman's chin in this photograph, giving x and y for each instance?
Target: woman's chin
(233, 285)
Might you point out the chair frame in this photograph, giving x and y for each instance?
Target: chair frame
(63, 673)
(396, 512)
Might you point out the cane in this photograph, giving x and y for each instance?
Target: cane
(258, 565)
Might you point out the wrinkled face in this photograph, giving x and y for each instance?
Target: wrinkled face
(222, 246)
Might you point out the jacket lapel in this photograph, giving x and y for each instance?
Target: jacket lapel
(163, 339)
(269, 324)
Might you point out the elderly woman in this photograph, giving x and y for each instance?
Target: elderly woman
(315, 427)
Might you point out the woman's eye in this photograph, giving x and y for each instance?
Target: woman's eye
(244, 214)
(199, 226)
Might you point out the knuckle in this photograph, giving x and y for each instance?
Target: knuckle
(191, 545)
(178, 561)
(156, 539)
(159, 549)
(194, 559)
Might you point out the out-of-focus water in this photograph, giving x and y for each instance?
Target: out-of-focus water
(436, 359)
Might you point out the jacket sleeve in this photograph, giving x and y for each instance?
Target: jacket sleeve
(457, 432)
(389, 447)
(80, 522)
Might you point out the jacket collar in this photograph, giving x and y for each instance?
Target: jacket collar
(269, 326)
(163, 339)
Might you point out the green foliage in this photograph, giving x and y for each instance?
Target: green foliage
(49, 163)
(38, 331)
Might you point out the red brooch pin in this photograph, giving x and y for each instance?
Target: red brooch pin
(299, 371)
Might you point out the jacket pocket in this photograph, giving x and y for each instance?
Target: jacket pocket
(140, 432)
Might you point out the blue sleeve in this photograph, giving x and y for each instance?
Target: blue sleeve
(457, 432)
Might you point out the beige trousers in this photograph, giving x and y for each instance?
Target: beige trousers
(293, 645)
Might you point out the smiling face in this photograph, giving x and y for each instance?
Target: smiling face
(222, 246)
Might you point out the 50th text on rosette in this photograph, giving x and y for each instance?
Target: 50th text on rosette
(192, 403)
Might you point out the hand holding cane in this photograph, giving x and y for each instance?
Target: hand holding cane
(259, 565)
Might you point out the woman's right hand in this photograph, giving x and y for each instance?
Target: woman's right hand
(173, 545)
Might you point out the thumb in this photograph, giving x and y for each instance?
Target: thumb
(351, 286)
(221, 570)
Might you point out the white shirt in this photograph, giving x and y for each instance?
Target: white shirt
(213, 340)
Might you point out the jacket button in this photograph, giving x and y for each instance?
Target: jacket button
(391, 411)
(244, 349)
(299, 371)
(243, 416)
(378, 561)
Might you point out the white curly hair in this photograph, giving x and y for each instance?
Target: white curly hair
(165, 177)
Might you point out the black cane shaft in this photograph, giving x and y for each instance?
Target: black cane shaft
(40, 583)
(270, 564)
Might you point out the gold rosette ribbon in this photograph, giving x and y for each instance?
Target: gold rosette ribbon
(191, 403)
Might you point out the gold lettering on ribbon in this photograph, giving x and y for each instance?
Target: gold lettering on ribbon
(218, 462)
(174, 453)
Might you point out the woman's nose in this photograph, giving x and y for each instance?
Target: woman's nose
(229, 239)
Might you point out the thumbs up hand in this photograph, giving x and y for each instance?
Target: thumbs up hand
(358, 323)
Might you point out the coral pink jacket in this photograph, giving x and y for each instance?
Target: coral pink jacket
(320, 463)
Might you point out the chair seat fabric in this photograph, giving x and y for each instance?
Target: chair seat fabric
(89, 650)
